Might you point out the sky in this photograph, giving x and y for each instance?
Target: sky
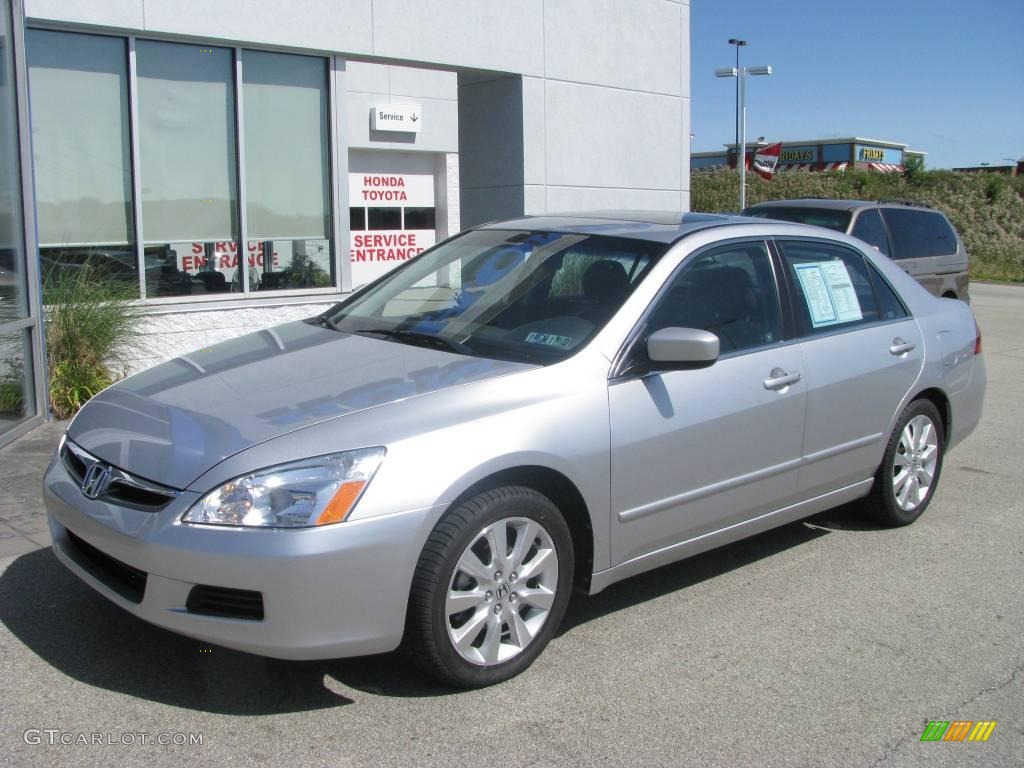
(942, 76)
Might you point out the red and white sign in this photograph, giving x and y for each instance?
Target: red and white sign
(375, 251)
(765, 160)
(225, 257)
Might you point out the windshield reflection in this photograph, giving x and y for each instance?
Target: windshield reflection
(524, 296)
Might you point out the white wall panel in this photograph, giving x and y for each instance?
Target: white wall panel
(423, 83)
(114, 13)
(322, 25)
(631, 44)
(607, 137)
(610, 199)
(506, 37)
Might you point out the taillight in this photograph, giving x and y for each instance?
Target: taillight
(977, 338)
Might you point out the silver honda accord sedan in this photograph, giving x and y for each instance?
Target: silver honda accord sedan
(533, 406)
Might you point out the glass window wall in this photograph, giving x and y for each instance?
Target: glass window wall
(193, 152)
(82, 152)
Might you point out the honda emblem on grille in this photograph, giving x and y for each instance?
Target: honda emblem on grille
(97, 478)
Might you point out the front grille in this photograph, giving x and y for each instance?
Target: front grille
(225, 602)
(123, 489)
(74, 465)
(128, 582)
(138, 498)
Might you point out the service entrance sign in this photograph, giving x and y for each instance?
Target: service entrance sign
(392, 220)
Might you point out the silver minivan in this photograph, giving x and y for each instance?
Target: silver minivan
(918, 238)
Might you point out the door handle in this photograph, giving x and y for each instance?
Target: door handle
(900, 347)
(780, 379)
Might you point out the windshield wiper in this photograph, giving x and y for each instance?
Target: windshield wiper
(323, 320)
(418, 339)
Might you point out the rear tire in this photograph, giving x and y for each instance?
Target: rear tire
(490, 588)
(909, 473)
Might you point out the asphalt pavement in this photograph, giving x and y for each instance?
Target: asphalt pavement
(828, 642)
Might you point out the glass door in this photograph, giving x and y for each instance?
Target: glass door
(22, 398)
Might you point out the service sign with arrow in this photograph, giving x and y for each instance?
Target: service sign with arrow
(405, 118)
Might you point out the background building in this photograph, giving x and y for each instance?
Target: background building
(820, 155)
(241, 163)
(1005, 169)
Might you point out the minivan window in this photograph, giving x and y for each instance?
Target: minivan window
(525, 296)
(871, 230)
(830, 218)
(918, 234)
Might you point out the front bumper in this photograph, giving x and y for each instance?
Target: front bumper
(327, 592)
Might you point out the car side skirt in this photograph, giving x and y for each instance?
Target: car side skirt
(723, 536)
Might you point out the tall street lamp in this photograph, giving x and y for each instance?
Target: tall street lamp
(740, 73)
(739, 44)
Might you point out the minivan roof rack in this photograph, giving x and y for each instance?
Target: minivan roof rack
(897, 201)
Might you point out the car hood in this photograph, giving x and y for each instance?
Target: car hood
(175, 421)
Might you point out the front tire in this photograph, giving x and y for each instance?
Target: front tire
(909, 474)
(490, 588)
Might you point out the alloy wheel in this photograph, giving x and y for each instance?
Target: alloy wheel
(914, 462)
(501, 591)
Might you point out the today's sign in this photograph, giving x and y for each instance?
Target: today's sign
(406, 118)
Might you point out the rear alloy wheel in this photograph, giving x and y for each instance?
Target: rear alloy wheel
(909, 474)
(490, 588)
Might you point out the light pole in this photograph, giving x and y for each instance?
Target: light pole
(739, 44)
(740, 73)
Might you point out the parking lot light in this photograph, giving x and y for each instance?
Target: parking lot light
(740, 73)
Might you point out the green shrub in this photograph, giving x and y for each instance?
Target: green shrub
(987, 209)
(90, 322)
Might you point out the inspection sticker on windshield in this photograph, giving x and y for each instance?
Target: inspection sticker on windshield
(829, 291)
(549, 339)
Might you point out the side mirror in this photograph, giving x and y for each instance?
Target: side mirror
(672, 348)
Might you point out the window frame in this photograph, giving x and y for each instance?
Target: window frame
(793, 297)
(632, 352)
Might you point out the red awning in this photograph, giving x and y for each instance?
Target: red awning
(885, 168)
(813, 167)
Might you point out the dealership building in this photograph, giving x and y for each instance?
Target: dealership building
(241, 163)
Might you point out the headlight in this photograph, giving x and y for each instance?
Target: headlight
(317, 491)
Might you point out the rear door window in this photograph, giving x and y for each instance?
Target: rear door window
(871, 230)
(918, 234)
(890, 306)
(830, 285)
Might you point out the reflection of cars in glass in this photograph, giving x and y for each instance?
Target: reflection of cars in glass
(533, 405)
(918, 238)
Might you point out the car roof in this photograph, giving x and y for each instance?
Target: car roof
(817, 202)
(657, 226)
(844, 205)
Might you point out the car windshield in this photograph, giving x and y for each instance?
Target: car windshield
(830, 218)
(524, 296)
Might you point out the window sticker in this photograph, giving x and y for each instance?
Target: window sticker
(829, 292)
(549, 339)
